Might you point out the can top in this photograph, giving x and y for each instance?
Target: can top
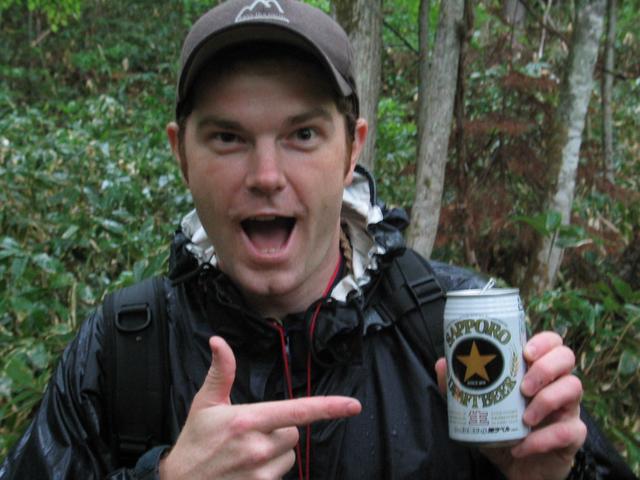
(477, 292)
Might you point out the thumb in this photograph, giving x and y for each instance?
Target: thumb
(441, 373)
(217, 384)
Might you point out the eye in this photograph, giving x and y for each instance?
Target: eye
(225, 142)
(226, 137)
(306, 138)
(305, 134)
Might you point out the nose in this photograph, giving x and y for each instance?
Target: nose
(265, 173)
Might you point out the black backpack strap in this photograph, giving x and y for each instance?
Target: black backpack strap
(414, 301)
(137, 368)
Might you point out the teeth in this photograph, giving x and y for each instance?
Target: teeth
(270, 250)
(264, 219)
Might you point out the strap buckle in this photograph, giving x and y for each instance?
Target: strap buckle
(133, 318)
(131, 448)
(425, 289)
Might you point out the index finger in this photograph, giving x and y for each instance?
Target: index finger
(269, 416)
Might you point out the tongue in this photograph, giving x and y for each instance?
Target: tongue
(271, 235)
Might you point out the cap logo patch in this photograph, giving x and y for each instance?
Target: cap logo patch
(262, 10)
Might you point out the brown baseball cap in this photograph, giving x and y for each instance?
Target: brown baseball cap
(288, 22)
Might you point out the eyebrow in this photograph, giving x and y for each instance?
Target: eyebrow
(310, 115)
(227, 124)
(219, 122)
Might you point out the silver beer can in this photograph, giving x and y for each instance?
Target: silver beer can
(484, 338)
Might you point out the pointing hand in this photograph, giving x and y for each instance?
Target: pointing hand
(225, 441)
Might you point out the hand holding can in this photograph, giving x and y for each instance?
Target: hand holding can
(484, 338)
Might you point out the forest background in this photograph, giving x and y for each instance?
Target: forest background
(90, 195)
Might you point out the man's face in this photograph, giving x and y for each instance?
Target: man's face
(266, 158)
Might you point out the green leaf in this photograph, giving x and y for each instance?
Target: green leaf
(592, 315)
(104, 148)
(610, 304)
(629, 363)
(85, 293)
(47, 263)
(60, 330)
(572, 236)
(538, 223)
(39, 357)
(553, 220)
(70, 232)
(18, 371)
(21, 305)
(544, 223)
(113, 226)
(5, 388)
(18, 266)
(634, 311)
(61, 280)
(9, 248)
(622, 288)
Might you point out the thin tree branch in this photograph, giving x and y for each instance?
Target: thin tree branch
(402, 39)
(545, 20)
(40, 38)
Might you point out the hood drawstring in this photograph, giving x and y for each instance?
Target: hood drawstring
(284, 344)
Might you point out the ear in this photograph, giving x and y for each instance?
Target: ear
(177, 149)
(359, 140)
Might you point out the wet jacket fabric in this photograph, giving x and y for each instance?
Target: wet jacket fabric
(400, 434)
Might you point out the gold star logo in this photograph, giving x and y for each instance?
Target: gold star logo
(475, 363)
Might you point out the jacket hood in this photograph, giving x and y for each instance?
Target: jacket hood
(373, 230)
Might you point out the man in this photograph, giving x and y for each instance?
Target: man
(279, 366)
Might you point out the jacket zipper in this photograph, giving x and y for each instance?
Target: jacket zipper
(285, 352)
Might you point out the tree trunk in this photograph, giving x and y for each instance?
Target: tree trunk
(362, 20)
(567, 129)
(423, 61)
(435, 126)
(468, 232)
(607, 88)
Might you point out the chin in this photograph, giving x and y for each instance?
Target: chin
(265, 284)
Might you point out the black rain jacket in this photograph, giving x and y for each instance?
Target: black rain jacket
(400, 434)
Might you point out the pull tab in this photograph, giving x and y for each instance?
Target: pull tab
(490, 284)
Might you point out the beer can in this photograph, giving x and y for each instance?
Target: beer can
(484, 338)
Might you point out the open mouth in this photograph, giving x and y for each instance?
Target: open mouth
(268, 234)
